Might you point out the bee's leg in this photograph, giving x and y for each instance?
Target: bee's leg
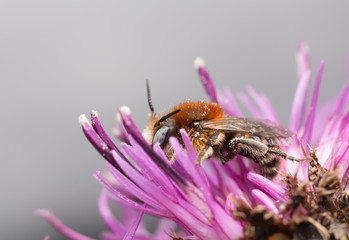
(284, 155)
(246, 145)
(226, 156)
(263, 148)
(250, 148)
(214, 140)
(268, 165)
(258, 152)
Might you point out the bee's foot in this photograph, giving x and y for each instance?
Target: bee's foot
(198, 162)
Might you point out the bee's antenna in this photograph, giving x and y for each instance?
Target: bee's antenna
(166, 117)
(149, 98)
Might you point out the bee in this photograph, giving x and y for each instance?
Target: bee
(214, 134)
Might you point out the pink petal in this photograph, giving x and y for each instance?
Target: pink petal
(133, 131)
(148, 168)
(96, 140)
(107, 215)
(163, 228)
(298, 102)
(265, 107)
(250, 106)
(303, 63)
(224, 220)
(265, 200)
(205, 79)
(343, 99)
(122, 199)
(229, 104)
(59, 226)
(97, 126)
(268, 186)
(308, 128)
(328, 139)
(132, 230)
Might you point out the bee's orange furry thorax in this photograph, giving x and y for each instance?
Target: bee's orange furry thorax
(192, 111)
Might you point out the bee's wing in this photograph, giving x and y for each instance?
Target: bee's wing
(253, 127)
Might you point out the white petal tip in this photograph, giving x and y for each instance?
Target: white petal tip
(303, 46)
(83, 119)
(199, 63)
(94, 114)
(42, 212)
(125, 110)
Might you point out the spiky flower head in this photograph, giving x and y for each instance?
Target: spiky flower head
(231, 201)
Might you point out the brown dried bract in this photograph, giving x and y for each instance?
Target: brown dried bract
(315, 170)
(318, 209)
(260, 223)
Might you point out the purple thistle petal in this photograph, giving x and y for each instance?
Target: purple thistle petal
(109, 177)
(132, 230)
(302, 59)
(107, 215)
(195, 204)
(189, 166)
(234, 187)
(227, 224)
(229, 205)
(113, 236)
(215, 177)
(237, 183)
(298, 102)
(120, 131)
(339, 151)
(127, 216)
(250, 106)
(229, 104)
(242, 166)
(198, 228)
(97, 126)
(152, 170)
(323, 115)
(268, 186)
(133, 131)
(140, 180)
(264, 104)
(47, 237)
(306, 138)
(328, 139)
(205, 79)
(342, 100)
(345, 119)
(93, 137)
(163, 229)
(96, 140)
(59, 226)
(270, 111)
(265, 200)
(163, 200)
(149, 169)
(132, 189)
(122, 199)
(176, 166)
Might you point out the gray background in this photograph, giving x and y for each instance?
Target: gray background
(59, 59)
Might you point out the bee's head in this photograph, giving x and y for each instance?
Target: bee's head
(159, 128)
(164, 128)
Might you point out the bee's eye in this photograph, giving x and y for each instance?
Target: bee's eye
(194, 124)
(160, 135)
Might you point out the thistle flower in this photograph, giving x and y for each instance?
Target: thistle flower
(228, 201)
